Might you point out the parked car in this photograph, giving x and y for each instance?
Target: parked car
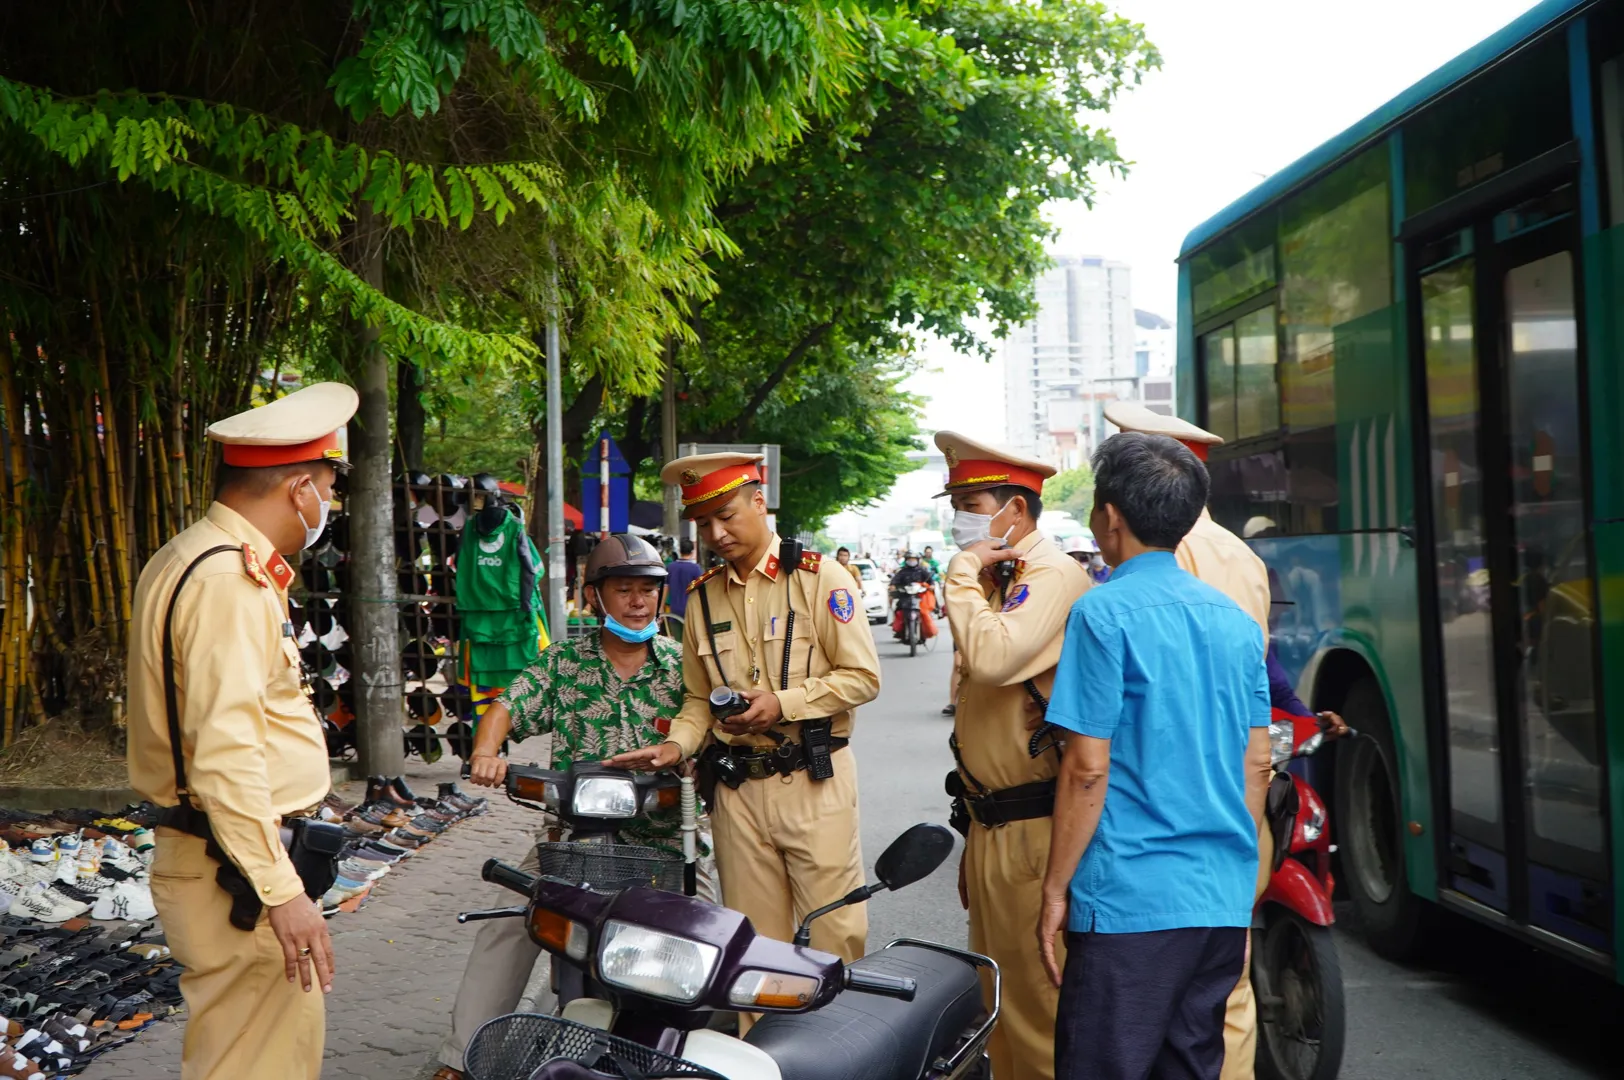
(876, 601)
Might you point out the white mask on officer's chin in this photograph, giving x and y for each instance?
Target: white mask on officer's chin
(313, 532)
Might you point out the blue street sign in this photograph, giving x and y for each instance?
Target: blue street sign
(620, 503)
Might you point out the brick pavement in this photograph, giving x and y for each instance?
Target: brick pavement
(400, 957)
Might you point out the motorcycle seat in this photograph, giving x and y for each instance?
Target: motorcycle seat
(861, 1036)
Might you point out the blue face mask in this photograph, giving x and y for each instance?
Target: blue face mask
(626, 633)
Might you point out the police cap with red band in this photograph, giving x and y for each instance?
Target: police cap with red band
(306, 425)
(978, 466)
(706, 478)
(1130, 416)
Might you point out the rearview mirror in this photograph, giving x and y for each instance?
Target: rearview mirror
(914, 855)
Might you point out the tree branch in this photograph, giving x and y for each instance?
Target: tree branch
(808, 342)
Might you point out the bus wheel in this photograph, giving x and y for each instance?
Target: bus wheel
(1371, 826)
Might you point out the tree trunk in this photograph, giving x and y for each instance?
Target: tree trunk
(668, 437)
(375, 623)
(409, 417)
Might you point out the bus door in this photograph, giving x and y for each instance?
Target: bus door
(1513, 652)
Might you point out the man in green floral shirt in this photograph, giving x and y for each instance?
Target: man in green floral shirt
(600, 695)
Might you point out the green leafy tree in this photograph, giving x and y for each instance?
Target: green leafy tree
(1071, 490)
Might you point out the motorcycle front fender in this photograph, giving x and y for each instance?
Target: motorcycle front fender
(1296, 890)
(729, 1057)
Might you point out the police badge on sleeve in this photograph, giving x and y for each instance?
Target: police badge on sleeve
(841, 605)
(1017, 597)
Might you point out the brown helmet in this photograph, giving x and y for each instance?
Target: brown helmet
(624, 555)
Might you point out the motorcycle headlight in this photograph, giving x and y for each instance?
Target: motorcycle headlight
(1310, 819)
(655, 963)
(605, 797)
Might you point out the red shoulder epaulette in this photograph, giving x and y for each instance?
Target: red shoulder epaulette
(250, 563)
(702, 578)
(810, 560)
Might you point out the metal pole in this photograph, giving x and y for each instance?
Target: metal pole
(668, 437)
(603, 487)
(557, 620)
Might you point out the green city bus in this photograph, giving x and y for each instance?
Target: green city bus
(1409, 341)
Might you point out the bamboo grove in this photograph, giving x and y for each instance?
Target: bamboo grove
(199, 199)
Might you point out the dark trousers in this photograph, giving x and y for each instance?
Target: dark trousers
(1146, 1006)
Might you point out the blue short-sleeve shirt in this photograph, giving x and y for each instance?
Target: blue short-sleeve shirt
(1171, 671)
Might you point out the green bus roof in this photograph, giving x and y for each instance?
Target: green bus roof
(1530, 24)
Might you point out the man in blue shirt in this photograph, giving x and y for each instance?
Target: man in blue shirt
(683, 570)
(1154, 851)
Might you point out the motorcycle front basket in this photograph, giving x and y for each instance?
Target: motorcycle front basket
(611, 866)
(515, 1046)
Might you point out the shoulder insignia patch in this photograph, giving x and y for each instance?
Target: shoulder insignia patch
(250, 563)
(1017, 597)
(841, 604)
(280, 571)
(702, 578)
(811, 560)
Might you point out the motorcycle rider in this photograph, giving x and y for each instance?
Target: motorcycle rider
(1009, 591)
(912, 572)
(624, 684)
(786, 843)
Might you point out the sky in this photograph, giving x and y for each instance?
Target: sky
(1246, 88)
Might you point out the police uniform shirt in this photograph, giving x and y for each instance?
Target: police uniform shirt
(1225, 561)
(834, 666)
(254, 749)
(1005, 638)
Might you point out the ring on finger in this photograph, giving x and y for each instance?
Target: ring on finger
(305, 951)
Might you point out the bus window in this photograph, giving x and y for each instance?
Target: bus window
(1218, 353)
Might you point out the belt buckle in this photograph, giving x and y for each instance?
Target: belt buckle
(977, 816)
(756, 764)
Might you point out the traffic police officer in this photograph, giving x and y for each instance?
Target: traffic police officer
(792, 639)
(252, 751)
(1009, 591)
(1227, 563)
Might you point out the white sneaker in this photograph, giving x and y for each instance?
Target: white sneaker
(36, 902)
(16, 874)
(42, 850)
(125, 900)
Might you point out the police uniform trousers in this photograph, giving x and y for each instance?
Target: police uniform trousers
(1240, 1013)
(503, 959)
(244, 1020)
(788, 845)
(1003, 875)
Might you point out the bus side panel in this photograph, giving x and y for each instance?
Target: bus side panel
(1603, 256)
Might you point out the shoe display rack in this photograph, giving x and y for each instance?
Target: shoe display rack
(429, 514)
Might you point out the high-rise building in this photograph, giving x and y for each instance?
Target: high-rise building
(1057, 367)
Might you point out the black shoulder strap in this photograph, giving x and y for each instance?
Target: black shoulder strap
(170, 704)
(710, 629)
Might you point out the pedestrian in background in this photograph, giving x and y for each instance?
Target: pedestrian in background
(214, 666)
(684, 571)
(1154, 853)
(1008, 591)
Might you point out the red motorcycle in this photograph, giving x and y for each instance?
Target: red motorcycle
(1296, 976)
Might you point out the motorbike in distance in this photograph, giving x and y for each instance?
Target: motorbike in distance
(913, 623)
(665, 963)
(1296, 973)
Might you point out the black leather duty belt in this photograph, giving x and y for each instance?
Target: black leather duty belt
(781, 760)
(1020, 803)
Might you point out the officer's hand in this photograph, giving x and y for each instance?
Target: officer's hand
(302, 933)
(1051, 920)
(487, 770)
(763, 713)
(1333, 725)
(648, 758)
(990, 552)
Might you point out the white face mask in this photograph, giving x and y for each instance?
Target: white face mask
(313, 532)
(969, 528)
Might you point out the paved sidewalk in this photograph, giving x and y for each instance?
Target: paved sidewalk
(400, 957)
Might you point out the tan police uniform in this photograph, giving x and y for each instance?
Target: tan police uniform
(1008, 634)
(253, 751)
(784, 845)
(1227, 563)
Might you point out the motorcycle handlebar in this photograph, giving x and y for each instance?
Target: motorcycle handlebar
(870, 982)
(500, 873)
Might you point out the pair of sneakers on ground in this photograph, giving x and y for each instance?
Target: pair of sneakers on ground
(65, 877)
